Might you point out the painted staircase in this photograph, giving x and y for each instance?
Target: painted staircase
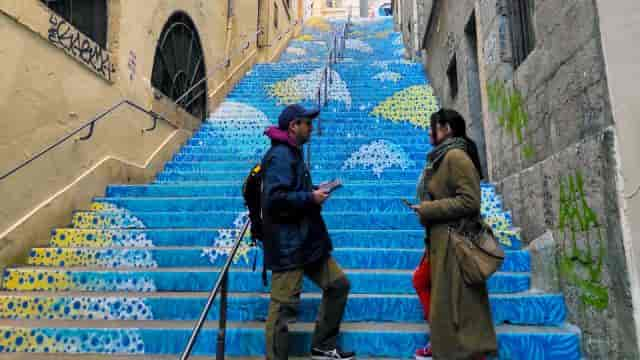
(130, 275)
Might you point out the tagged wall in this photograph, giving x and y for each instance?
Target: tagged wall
(550, 146)
(55, 78)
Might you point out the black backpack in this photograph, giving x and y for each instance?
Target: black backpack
(252, 193)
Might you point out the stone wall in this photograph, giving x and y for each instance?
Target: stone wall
(538, 164)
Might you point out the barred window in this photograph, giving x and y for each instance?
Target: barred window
(522, 34)
(88, 16)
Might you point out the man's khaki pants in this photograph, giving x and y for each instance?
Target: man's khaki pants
(285, 300)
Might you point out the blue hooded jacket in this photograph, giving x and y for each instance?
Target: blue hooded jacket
(294, 232)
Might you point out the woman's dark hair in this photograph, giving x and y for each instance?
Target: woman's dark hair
(458, 127)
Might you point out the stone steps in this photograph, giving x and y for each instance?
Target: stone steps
(183, 256)
(247, 339)
(363, 281)
(527, 308)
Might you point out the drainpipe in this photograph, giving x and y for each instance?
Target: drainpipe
(229, 33)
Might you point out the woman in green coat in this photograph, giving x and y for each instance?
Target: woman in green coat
(449, 191)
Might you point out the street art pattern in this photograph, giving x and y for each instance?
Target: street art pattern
(378, 156)
(305, 87)
(414, 104)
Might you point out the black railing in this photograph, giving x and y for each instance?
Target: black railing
(221, 287)
(91, 125)
(155, 116)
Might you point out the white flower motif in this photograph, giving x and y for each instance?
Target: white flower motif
(388, 76)
(359, 45)
(305, 87)
(379, 155)
(240, 124)
(298, 51)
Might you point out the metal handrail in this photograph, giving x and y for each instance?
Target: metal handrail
(221, 286)
(155, 116)
(91, 125)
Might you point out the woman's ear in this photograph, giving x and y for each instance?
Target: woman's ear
(448, 130)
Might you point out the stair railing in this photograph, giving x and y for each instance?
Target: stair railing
(90, 124)
(221, 287)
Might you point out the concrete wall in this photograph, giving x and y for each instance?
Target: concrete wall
(46, 92)
(619, 27)
(571, 134)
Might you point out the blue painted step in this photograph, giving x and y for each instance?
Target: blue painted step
(406, 189)
(257, 157)
(180, 220)
(337, 203)
(392, 239)
(247, 165)
(246, 339)
(516, 309)
(202, 279)
(353, 258)
(322, 175)
(203, 138)
(185, 190)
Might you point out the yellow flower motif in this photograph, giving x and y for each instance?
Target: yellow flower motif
(25, 307)
(414, 104)
(26, 340)
(305, 37)
(319, 23)
(382, 34)
(68, 238)
(29, 280)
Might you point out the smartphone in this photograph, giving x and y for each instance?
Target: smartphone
(406, 202)
(331, 186)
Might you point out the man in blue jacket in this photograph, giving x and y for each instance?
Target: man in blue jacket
(296, 241)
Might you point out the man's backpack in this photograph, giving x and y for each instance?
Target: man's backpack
(252, 193)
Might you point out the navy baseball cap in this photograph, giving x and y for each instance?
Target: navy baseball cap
(296, 111)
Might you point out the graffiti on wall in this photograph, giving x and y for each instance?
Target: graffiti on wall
(64, 36)
(131, 64)
(581, 266)
(509, 105)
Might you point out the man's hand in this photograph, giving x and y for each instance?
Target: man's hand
(415, 208)
(320, 196)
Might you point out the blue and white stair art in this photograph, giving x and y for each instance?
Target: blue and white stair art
(132, 272)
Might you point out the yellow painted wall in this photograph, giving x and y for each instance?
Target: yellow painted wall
(45, 93)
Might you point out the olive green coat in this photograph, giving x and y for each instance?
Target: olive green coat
(461, 323)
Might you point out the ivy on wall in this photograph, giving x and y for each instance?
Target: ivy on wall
(509, 105)
(581, 268)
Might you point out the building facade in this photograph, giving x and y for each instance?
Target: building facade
(64, 62)
(546, 89)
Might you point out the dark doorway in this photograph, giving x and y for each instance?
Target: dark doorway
(179, 65)
(476, 125)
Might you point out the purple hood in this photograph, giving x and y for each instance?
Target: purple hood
(274, 133)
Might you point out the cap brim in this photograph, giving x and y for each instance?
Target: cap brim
(311, 113)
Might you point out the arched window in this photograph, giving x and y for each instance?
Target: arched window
(88, 16)
(179, 65)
